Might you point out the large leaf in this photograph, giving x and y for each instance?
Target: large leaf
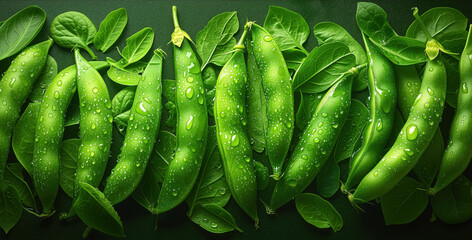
(327, 180)
(20, 29)
(404, 203)
(318, 212)
(219, 31)
(453, 204)
(288, 28)
(137, 46)
(110, 29)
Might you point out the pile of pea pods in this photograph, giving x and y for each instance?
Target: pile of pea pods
(256, 119)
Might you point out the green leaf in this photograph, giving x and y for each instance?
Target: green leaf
(72, 115)
(322, 67)
(402, 50)
(372, 20)
(211, 186)
(147, 192)
(327, 180)
(318, 212)
(162, 154)
(122, 101)
(97, 212)
(23, 136)
(73, 29)
(293, 58)
(219, 31)
(288, 28)
(214, 219)
(43, 81)
(352, 130)
(398, 123)
(262, 175)
(121, 121)
(453, 79)
(255, 104)
(128, 76)
(404, 203)
(110, 29)
(137, 46)
(428, 165)
(10, 207)
(69, 155)
(168, 90)
(209, 81)
(20, 29)
(223, 53)
(14, 177)
(307, 107)
(453, 204)
(439, 20)
(453, 41)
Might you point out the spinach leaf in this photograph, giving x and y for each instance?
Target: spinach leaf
(128, 76)
(20, 29)
(318, 212)
(23, 136)
(122, 101)
(73, 29)
(439, 20)
(307, 107)
(223, 53)
(42, 83)
(219, 31)
(327, 180)
(262, 175)
(69, 154)
(402, 50)
(110, 29)
(14, 177)
(10, 207)
(137, 46)
(255, 103)
(97, 212)
(211, 186)
(453, 204)
(352, 131)
(322, 67)
(404, 203)
(288, 28)
(214, 219)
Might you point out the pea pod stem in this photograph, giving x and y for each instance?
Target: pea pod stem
(421, 23)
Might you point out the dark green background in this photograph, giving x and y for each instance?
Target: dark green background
(194, 15)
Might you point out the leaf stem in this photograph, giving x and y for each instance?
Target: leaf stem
(421, 23)
(86, 232)
(174, 17)
(94, 57)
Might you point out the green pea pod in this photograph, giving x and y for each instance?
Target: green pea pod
(458, 152)
(383, 96)
(96, 122)
(233, 141)
(413, 139)
(141, 134)
(317, 142)
(192, 123)
(277, 87)
(49, 132)
(15, 87)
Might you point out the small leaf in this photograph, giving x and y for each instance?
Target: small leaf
(262, 175)
(214, 219)
(10, 207)
(121, 121)
(318, 212)
(223, 53)
(453, 204)
(163, 154)
(72, 115)
(147, 192)
(69, 155)
(404, 203)
(43, 81)
(122, 101)
(288, 28)
(110, 29)
(308, 104)
(23, 136)
(219, 30)
(327, 180)
(128, 76)
(428, 165)
(97, 212)
(293, 58)
(14, 176)
(137, 46)
(168, 90)
(372, 20)
(209, 80)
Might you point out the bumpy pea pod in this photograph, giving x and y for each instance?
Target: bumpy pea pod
(96, 122)
(277, 87)
(192, 123)
(413, 139)
(458, 152)
(141, 133)
(49, 132)
(233, 142)
(317, 142)
(15, 87)
(383, 96)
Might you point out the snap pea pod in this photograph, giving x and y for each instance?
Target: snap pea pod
(413, 139)
(96, 122)
(277, 87)
(15, 86)
(317, 142)
(49, 132)
(458, 152)
(383, 96)
(233, 142)
(141, 134)
(192, 123)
